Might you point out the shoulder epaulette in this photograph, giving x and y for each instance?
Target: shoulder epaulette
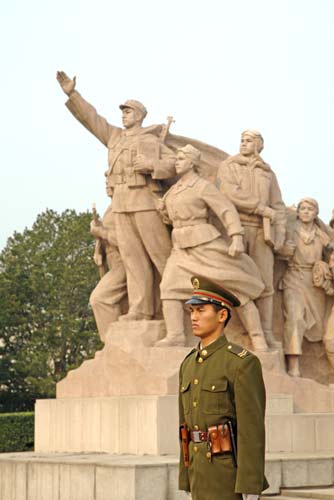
(238, 350)
(189, 353)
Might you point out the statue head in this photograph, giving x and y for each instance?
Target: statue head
(133, 113)
(307, 209)
(186, 158)
(251, 142)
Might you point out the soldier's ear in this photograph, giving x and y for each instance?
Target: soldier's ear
(223, 315)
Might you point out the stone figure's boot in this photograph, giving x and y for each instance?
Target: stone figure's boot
(105, 315)
(174, 319)
(293, 365)
(328, 339)
(134, 316)
(265, 306)
(330, 357)
(250, 318)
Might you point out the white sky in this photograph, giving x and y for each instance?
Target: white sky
(217, 66)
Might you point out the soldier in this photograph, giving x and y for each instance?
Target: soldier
(137, 161)
(109, 297)
(252, 187)
(221, 406)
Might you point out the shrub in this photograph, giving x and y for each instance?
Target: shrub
(16, 432)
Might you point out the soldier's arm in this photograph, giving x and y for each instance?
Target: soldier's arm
(279, 207)
(164, 167)
(223, 208)
(84, 112)
(87, 115)
(183, 472)
(250, 411)
(277, 203)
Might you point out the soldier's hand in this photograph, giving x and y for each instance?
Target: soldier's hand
(66, 83)
(237, 246)
(97, 230)
(279, 240)
(142, 164)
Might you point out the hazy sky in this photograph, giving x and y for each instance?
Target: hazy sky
(217, 66)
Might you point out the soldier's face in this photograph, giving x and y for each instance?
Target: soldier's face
(206, 322)
(183, 163)
(307, 212)
(130, 118)
(248, 145)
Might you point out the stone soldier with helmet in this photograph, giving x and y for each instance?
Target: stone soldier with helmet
(221, 406)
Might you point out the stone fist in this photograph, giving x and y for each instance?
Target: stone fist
(142, 164)
(237, 246)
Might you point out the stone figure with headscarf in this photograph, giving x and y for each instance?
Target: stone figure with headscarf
(252, 187)
(305, 284)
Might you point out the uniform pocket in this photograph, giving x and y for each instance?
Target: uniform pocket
(185, 396)
(215, 397)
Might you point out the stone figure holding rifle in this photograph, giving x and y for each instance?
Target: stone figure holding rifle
(252, 187)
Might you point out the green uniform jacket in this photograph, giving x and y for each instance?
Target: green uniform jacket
(219, 383)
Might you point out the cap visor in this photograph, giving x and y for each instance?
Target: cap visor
(196, 301)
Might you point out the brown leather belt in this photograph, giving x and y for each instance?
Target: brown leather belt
(199, 436)
(218, 438)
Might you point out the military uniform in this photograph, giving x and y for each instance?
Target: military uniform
(219, 383)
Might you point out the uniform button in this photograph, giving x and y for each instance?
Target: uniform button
(182, 388)
(195, 449)
(196, 427)
(196, 381)
(194, 404)
(208, 455)
(200, 360)
(213, 387)
(204, 352)
(229, 347)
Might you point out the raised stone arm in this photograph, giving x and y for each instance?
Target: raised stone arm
(66, 83)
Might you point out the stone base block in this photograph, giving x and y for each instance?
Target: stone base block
(149, 425)
(126, 424)
(34, 476)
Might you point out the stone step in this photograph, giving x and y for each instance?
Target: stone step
(300, 432)
(97, 476)
(281, 497)
(310, 494)
(304, 494)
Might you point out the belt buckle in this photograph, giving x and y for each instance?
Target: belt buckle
(197, 436)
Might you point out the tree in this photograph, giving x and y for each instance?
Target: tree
(46, 325)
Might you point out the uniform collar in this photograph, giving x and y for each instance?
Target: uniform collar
(152, 129)
(206, 352)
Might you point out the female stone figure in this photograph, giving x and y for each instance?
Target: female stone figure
(199, 248)
(304, 303)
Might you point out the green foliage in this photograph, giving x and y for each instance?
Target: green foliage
(46, 325)
(16, 432)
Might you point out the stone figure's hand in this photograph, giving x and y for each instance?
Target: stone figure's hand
(266, 212)
(237, 246)
(142, 164)
(97, 230)
(279, 239)
(66, 83)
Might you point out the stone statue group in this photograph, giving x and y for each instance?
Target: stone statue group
(180, 207)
